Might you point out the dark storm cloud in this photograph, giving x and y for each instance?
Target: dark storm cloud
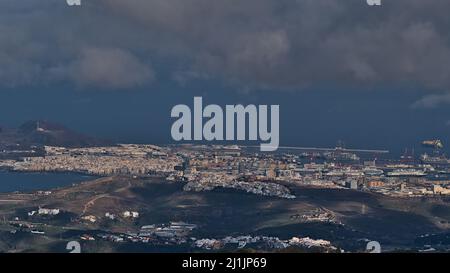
(107, 68)
(46, 42)
(246, 43)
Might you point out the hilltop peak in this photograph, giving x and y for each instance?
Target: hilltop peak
(43, 132)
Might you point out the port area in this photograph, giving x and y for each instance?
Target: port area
(185, 197)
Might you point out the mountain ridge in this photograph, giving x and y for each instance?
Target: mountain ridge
(46, 133)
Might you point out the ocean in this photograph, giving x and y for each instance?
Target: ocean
(26, 182)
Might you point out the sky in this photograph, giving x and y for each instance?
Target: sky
(373, 77)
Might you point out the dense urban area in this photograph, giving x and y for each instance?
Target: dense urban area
(206, 168)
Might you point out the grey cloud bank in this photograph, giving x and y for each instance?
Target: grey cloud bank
(109, 68)
(254, 44)
(432, 101)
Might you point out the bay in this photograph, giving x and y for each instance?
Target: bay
(26, 182)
